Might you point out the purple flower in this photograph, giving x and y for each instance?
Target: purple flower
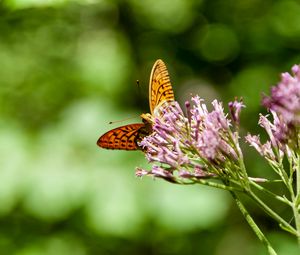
(211, 133)
(157, 172)
(264, 150)
(283, 130)
(235, 108)
(285, 98)
(197, 173)
(197, 146)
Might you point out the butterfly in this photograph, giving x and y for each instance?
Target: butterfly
(160, 92)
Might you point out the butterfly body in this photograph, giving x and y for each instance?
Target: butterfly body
(128, 137)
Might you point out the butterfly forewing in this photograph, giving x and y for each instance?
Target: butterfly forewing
(160, 88)
(122, 138)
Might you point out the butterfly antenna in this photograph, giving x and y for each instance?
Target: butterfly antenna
(139, 88)
(139, 94)
(117, 121)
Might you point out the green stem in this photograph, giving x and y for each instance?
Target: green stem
(284, 176)
(286, 226)
(298, 176)
(295, 198)
(214, 184)
(253, 225)
(240, 158)
(297, 221)
(279, 198)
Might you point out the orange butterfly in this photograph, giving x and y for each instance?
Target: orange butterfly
(127, 137)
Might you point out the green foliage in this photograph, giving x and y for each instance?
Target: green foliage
(67, 68)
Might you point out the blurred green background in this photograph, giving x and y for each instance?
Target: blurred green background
(67, 68)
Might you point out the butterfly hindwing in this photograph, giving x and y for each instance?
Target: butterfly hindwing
(160, 88)
(122, 138)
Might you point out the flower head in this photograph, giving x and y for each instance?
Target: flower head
(283, 128)
(200, 145)
(285, 98)
(235, 108)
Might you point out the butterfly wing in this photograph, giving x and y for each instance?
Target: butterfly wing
(160, 88)
(127, 137)
(122, 138)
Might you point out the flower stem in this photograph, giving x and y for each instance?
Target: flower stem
(253, 225)
(286, 226)
(295, 198)
(279, 198)
(297, 221)
(298, 176)
(216, 185)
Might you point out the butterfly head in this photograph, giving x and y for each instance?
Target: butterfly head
(147, 118)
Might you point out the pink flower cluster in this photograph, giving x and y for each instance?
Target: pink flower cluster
(197, 146)
(285, 97)
(283, 131)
